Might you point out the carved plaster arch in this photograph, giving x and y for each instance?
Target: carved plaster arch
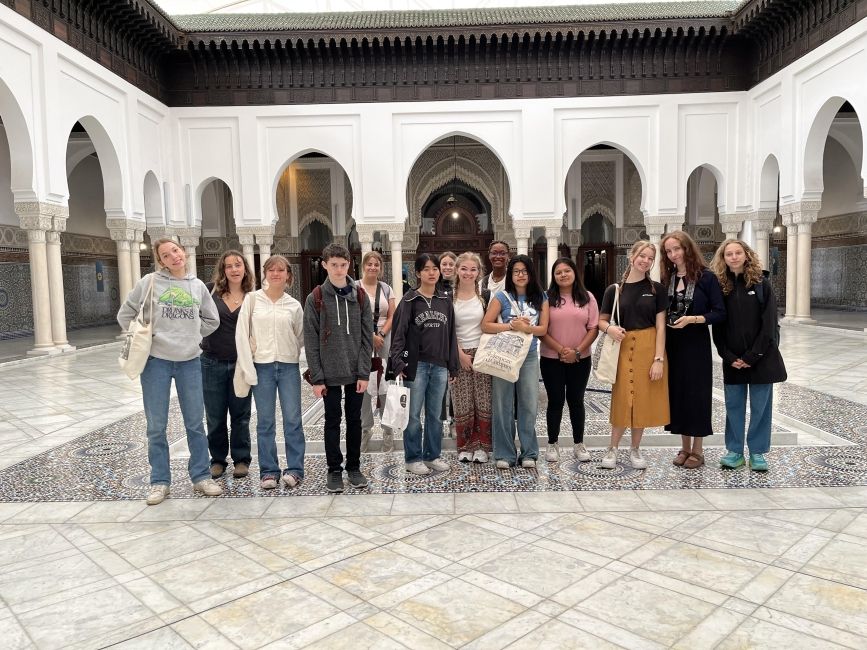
(440, 175)
(602, 209)
(310, 217)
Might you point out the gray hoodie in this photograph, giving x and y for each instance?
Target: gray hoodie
(183, 312)
(345, 357)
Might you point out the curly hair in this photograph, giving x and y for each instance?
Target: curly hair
(692, 258)
(753, 272)
(221, 282)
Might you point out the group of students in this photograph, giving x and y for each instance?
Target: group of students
(217, 341)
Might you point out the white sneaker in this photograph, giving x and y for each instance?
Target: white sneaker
(552, 453)
(417, 467)
(208, 487)
(528, 463)
(465, 457)
(581, 452)
(609, 460)
(636, 459)
(503, 464)
(480, 456)
(437, 464)
(157, 494)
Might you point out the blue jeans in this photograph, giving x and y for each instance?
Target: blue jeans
(156, 385)
(220, 401)
(285, 379)
(426, 390)
(503, 403)
(761, 405)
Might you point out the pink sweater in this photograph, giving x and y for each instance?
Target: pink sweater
(568, 323)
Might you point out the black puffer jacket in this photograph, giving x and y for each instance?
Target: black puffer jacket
(749, 334)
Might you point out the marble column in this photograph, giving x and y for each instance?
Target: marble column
(395, 238)
(804, 220)
(55, 287)
(189, 239)
(552, 237)
(522, 238)
(365, 237)
(248, 248)
(763, 223)
(731, 225)
(135, 255)
(122, 233)
(264, 242)
(36, 223)
(787, 212)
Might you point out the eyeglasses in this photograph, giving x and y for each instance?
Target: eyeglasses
(520, 272)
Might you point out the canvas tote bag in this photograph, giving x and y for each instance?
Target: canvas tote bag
(607, 351)
(502, 354)
(139, 335)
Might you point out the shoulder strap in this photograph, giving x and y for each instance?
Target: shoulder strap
(375, 304)
(760, 291)
(317, 298)
(147, 302)
(615, 311)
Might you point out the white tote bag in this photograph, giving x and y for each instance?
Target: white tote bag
(502, 354)
(396, 411)
(607, 353)
(139, 336)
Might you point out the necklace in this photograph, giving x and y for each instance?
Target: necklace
(233, 299)
(427, 300)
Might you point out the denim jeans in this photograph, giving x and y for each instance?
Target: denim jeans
(425, 391)
(761, 405)
(283, 379)
(503, 394)
(352, 410)
(220, 401)
(156, 385)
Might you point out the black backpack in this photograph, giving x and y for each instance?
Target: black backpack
(760, 294)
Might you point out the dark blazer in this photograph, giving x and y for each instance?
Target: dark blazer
(749, 334)
(707, 300)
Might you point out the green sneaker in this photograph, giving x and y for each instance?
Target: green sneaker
(732, 460)
(758, 463)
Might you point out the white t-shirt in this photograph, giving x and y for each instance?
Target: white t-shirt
(468, 322)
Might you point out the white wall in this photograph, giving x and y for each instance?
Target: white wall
(86, 211)
(7, 205)
(842, 193)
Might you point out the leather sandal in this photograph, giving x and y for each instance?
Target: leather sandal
(681, 458)
(694, 461)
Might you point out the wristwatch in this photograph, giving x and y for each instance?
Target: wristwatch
(658, 359)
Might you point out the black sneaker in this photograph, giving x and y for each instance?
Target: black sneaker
(334, 483)
(356, 478)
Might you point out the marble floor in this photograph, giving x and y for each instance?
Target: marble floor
(564, 556)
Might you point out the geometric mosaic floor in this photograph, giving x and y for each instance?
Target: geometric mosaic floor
(111, 464)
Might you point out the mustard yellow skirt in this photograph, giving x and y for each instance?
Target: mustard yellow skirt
(637, 402)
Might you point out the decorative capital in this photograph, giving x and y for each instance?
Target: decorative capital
(255, 230)
(189, 237)
(40, 215)
(731, 224)
(800, 212)
(265, 240)
(52, 237)
(246, 240)
(522, 232)
(763, 220)
(160, 232)
(553, 232)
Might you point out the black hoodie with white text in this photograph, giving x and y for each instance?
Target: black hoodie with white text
(424, 331)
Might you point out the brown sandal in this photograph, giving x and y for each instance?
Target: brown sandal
(681, 458)
(694, 461)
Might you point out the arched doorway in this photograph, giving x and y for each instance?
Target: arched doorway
(451, 222)
(313, 238)
(597, 257)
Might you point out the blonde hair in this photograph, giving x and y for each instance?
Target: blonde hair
(155, 249)
(637, 247)
(753, 274)
(377, 256)
(475, 259)
(449, 254)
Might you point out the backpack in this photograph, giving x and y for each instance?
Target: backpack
(318, 304)
(760, 295)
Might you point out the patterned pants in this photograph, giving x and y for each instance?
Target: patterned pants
(471, 396)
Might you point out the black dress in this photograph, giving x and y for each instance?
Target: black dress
(690, 363)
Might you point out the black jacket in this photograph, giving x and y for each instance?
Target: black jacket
(420, 333)
(749, 333)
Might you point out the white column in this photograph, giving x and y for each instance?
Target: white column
(135, 256)
(788, 213)
(189, 238)
(264, 242)
(365, 237)
(522, 238)
(731, 225)
(124, 271)
(36, 225)
(552, 238)
(395, 238)
(248, 248)
(804, 220)
(762, 224)
(654, 234)
(55, 287)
